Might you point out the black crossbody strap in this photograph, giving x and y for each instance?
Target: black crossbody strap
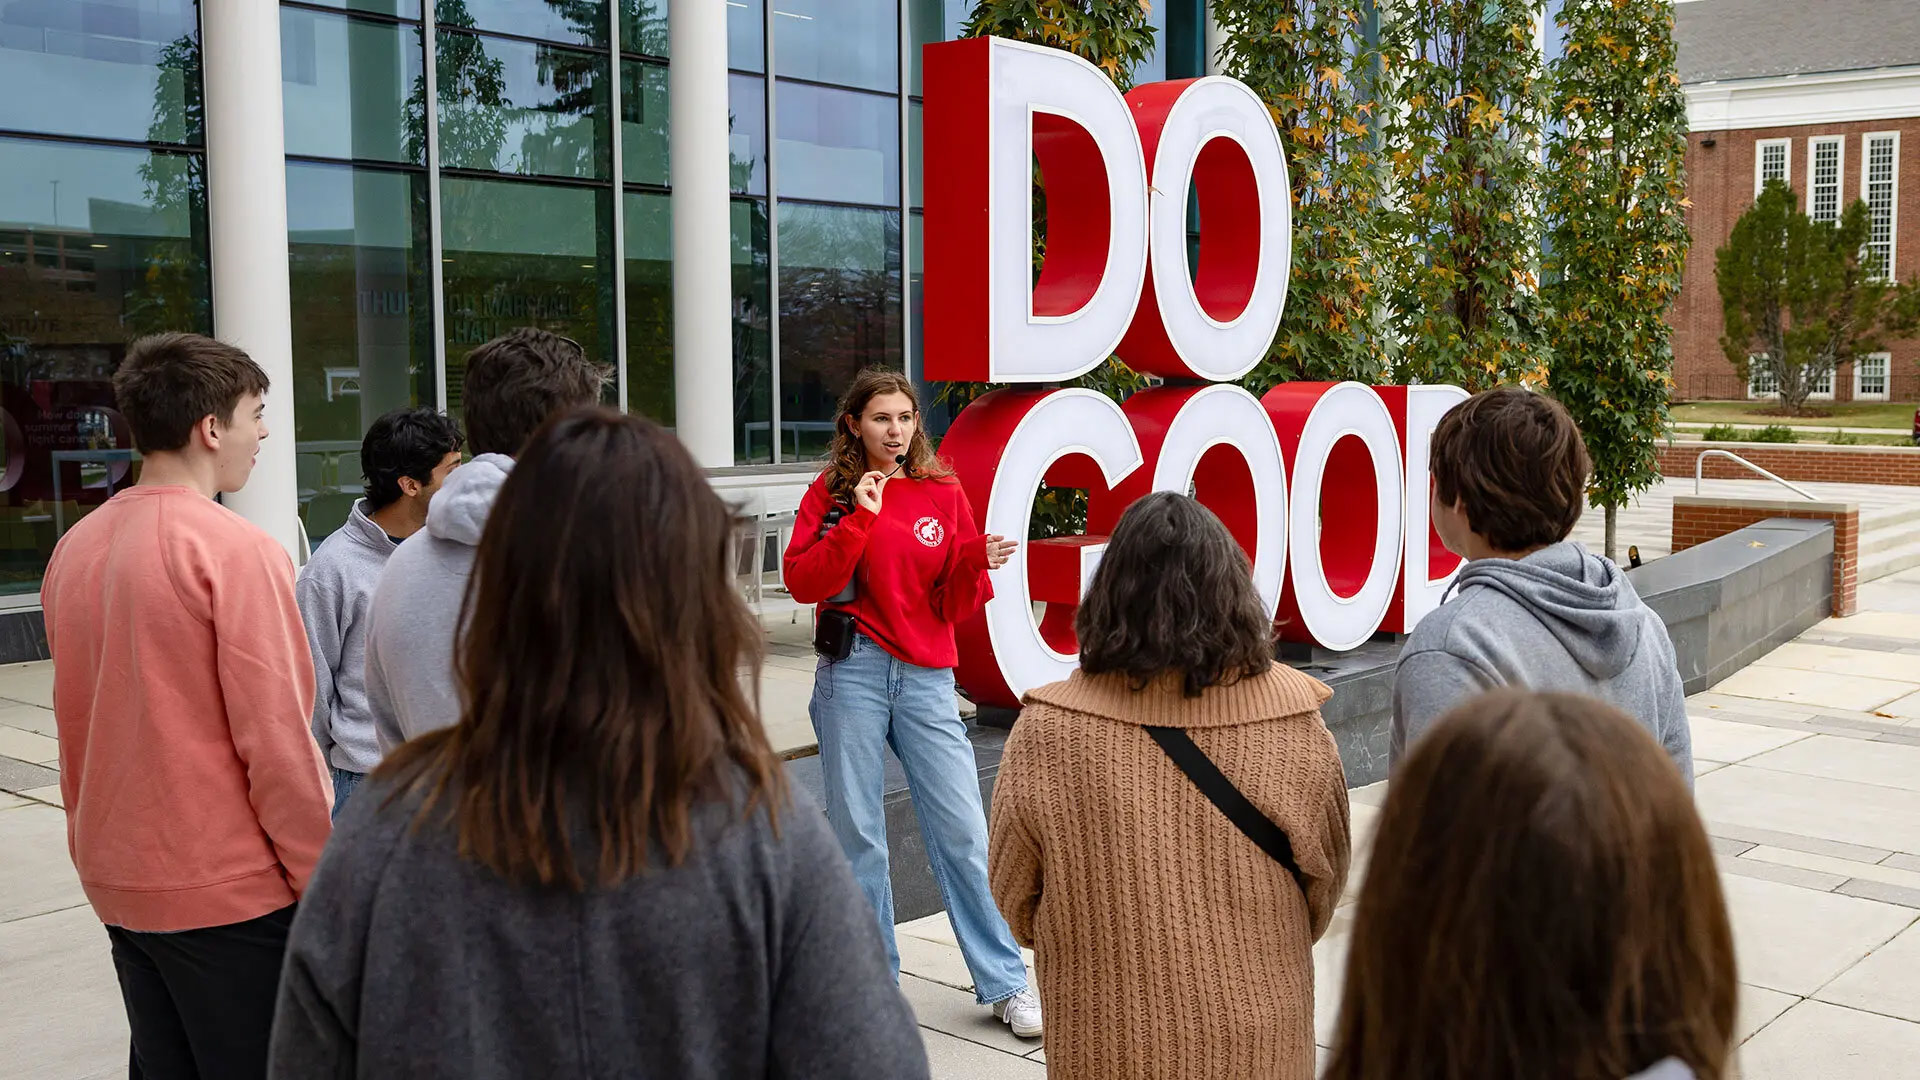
(1220, 791)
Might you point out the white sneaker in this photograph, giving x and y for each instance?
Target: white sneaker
(1021, 1012)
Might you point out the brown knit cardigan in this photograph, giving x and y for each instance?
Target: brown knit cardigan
(1168, 945)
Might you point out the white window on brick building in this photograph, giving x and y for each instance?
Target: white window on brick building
(1760, 380)
(1870, 376)
(1770, 162)
(1825, 155)
(1880, 186)
(1820, 387)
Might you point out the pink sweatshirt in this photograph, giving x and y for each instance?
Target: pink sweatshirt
(182, 688)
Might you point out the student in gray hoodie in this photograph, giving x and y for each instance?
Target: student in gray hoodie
(513, 384)
(1531, 608)
(405, 457)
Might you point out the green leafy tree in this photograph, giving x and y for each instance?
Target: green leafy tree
(472, 90)
(1616, 193)
(171, 291)
(1462, 145)
(1113, 35)
(1799, 297)
(1312, 63)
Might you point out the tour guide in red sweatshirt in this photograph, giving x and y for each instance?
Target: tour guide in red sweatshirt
(919, 565)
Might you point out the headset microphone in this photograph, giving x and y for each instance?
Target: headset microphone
(900, 462)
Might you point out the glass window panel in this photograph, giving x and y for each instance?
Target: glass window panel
(98, 245)
(405, 9)
(1773, 162)
(1880, 187)
(352, 88)
(746, 35)
(916, 151)
(357, 246)
(838, 145)
(649, 232)
(747, 133)
(1823, 201)
(929, 21)
(643, 26)
(513, 107)
(574, 22)
(752, 333)
(937, 415)
(840, 311)
(649, 243)
(643, 122)
(1874, 378)
(644, 142)
(117, 69)
(847, 42)
(520, 254)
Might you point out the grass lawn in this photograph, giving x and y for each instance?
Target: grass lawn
(1886, 414)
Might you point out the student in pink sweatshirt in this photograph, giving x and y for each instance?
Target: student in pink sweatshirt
(197, 802)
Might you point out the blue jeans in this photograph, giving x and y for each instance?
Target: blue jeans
(343, 784)
(871, 701)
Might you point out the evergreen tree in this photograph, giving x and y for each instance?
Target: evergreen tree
(1799, 297)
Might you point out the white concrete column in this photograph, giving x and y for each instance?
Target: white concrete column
(247, 217)
(1216, 38)
(702, 250)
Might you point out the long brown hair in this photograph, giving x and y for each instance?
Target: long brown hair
(1173, 595)
(847, 458)
(600, 669)
(1542, 901)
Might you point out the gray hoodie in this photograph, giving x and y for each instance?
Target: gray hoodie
(1559, 619)
(335, 591)
(410, 685)
(1665, 1069)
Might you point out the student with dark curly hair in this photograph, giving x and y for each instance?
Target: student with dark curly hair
(405, 456)
(1171, 942)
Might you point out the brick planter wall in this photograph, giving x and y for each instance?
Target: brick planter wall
(1818, 463)
(1699, 518)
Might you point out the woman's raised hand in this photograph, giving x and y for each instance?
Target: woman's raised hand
(866, 493)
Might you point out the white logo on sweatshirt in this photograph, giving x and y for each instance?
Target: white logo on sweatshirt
(930, 532)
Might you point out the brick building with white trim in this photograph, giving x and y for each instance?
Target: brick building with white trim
(1824, 94)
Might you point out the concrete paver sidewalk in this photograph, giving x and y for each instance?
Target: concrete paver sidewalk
(1808, 778)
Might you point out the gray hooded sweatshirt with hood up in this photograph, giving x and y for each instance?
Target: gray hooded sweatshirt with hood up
(416, 609)
(1561, 619)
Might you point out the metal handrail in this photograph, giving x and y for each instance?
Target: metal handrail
(1699, 467)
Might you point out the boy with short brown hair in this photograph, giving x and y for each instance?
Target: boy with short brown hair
(1531, 608)
(196, 800)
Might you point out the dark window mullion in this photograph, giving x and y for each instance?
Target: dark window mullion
(887, 94)
(352, 13)
(591, 50)
(97, 140)
(526, 178)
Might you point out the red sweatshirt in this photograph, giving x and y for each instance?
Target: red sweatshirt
(921, 563)
(183, 691)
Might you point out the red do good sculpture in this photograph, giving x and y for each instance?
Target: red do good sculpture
(1323, 484)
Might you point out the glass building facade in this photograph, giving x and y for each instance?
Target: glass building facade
(455, 168)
